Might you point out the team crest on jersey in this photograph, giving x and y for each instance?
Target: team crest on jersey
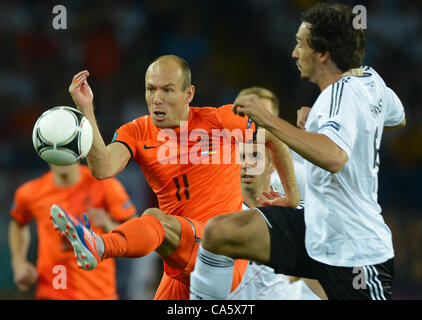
(332, 124)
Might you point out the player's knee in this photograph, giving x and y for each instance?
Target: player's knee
(168, 222)
(157, 213)
(216, 235)
(172, 231)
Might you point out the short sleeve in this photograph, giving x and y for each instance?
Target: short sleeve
(245, 127)
(119, 205)
(394, 114)
(340, 122)
(128, 135)
(19, 210)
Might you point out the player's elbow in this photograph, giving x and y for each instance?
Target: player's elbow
(99, 174)
(336, 164)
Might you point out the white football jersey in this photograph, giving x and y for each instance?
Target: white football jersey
(344, 226)
(260, 282)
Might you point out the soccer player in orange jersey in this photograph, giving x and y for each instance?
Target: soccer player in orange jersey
(56, 273)
(186, 165)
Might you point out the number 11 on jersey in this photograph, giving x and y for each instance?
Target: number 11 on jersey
(186, 189)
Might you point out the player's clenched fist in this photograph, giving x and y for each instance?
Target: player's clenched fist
(253, 107)
(25, 275)
(302, 115)
(81, 92)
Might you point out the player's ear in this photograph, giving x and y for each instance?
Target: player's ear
(324, 57)
(190, 92)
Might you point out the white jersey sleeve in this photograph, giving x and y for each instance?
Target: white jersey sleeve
(395, 110)
(338, 115)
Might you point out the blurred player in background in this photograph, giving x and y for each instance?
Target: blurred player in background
(340, 235)
(188, 194)
(260, 282)
(56, 272)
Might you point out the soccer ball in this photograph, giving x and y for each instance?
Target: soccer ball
(62, 136)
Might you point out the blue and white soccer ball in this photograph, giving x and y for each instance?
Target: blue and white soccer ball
(62, 136)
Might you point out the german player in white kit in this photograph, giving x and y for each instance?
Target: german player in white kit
(260, 282)
(340, 234)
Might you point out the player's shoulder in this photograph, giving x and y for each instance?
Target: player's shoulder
(86, 173)
(210, 115)
(374, 75)
(142, 121)
(206, 110)
(33, 186)
(139, 128)
(89, 180)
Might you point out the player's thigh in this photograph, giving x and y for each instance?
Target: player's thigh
(172, 231)
(240, 235)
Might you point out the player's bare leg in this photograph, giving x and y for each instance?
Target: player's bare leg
(172, 231)
(239, 235)
(242, 235)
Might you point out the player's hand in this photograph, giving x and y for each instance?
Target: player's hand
(81, 92)
(252, 106)
(24, 275)
(100, 218)
(273, 198)
(302, 115)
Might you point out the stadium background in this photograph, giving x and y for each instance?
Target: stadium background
(230, 45)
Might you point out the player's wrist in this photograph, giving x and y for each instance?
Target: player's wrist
(18, 262)
(86, 108)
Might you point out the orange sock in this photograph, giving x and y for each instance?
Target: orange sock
(135, 238)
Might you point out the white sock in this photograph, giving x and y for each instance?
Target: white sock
(212, 277)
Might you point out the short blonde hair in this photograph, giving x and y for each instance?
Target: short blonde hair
(263, 93)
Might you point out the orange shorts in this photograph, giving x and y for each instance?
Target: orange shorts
(174, 284)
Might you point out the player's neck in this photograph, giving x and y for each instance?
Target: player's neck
(66, 178)
(249, 198)
(329, 76)
(250, 195)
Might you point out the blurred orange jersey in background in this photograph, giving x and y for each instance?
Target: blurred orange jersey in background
(34, 199)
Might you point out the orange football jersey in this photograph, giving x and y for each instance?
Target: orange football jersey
(34, 199)
(194, 170)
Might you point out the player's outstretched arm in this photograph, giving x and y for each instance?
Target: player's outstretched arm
(314, 147)
(103, 161)
(24, 272)
(283, 163)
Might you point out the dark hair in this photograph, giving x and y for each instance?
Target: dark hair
(332, 30)
(184, 65)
